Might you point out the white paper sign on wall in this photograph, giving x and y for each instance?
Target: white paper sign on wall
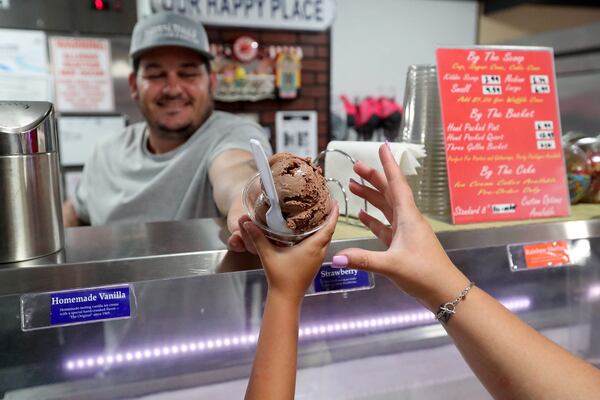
(82, 75)
(311, 15)
(24, 72)
(296, 132)
(79, 134)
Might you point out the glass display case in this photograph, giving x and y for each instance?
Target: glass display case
(194, 336)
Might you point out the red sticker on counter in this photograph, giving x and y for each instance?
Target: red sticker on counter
(546, 254)
(502, 134)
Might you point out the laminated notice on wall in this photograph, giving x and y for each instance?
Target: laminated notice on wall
(296, 132)
(82, 75)
(24, 72)
(73, 307)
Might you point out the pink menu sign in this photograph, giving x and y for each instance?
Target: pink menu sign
(502, 133)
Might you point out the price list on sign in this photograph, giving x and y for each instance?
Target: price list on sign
(502, 133)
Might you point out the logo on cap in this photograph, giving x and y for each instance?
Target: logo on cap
(171, 30)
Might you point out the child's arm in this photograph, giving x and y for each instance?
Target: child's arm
(289, 271)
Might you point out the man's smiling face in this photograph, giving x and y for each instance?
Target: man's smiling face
(173, 89)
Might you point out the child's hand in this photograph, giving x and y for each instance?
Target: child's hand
(415, 259)
(290, 270)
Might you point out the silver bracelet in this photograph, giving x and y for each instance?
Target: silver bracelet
(448, 309)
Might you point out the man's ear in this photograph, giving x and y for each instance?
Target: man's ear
(133, 88)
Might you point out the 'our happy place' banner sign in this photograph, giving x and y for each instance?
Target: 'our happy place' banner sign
(502, 133)
(311, 15)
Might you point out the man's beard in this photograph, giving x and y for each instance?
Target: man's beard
(176, 134)
(186, 131)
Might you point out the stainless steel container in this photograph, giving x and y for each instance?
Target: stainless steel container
(30, 202)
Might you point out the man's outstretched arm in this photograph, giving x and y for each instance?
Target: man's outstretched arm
(228, 174)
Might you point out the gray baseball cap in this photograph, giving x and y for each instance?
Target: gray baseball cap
(168, 29)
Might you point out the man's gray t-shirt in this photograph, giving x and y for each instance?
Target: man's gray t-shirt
(123, 182)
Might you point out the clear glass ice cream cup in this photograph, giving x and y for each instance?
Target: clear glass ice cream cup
(252, 193)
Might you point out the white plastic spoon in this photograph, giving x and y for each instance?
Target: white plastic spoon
(273, 216)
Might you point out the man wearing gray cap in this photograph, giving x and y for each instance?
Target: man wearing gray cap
(185, 160)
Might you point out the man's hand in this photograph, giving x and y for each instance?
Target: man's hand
(70, 217)
(228, 174)
(238, 242)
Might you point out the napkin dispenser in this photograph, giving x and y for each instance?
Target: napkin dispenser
(31, 223)
(339, 157)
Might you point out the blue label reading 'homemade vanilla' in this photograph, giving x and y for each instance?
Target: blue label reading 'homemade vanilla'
(330, 279)
(79, 306)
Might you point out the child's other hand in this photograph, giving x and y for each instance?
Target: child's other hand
(415, 260)
(290, 270)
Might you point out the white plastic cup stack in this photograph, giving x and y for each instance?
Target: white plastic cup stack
(422, 124)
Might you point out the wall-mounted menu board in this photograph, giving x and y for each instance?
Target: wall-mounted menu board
(502, 133)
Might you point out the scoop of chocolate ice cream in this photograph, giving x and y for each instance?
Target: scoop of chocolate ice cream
(302, 192)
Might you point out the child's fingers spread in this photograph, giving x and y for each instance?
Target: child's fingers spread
(372, 196)
(371, 175)
(383, 232)
(398, 187)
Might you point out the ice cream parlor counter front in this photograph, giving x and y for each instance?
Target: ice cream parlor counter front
(196, 310)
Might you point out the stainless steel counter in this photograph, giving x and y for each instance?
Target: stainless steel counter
(370, 344)
(95, 256)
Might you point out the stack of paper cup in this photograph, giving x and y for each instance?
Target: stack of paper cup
(422, 124)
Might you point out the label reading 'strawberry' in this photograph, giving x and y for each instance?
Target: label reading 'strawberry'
(335, 280)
